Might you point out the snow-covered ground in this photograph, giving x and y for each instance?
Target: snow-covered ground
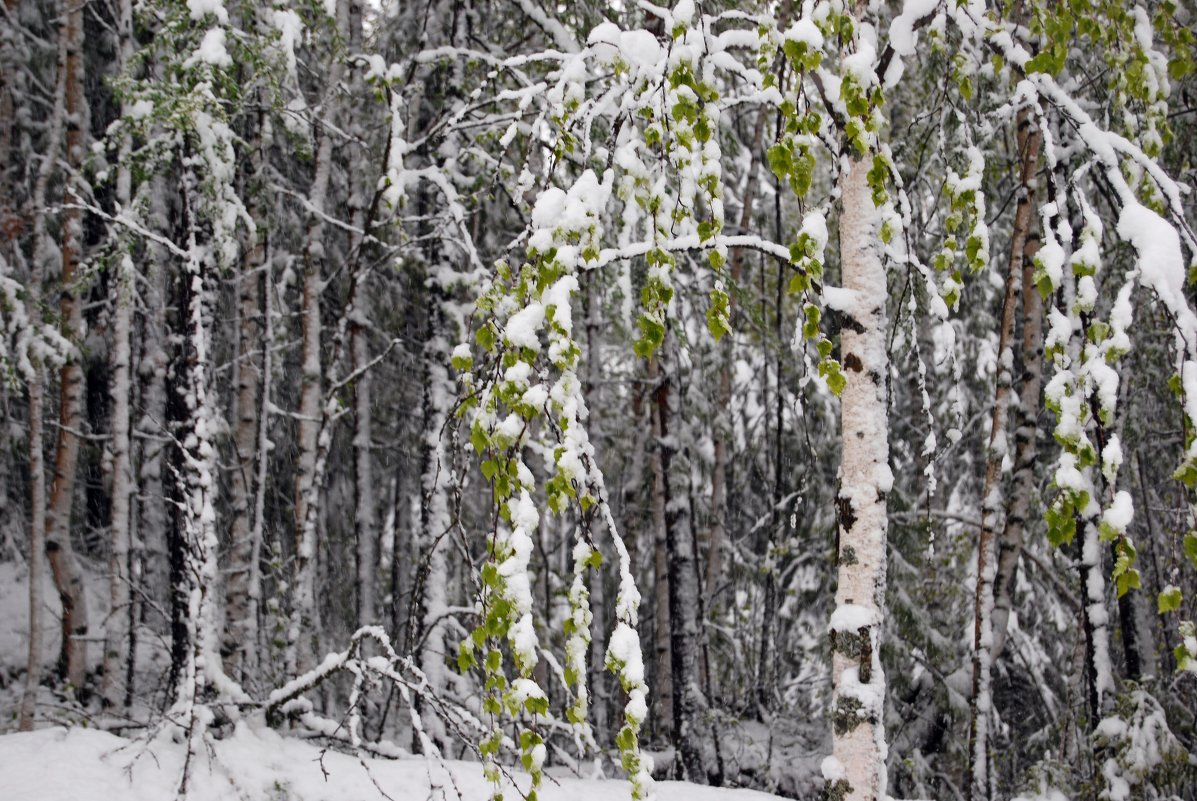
(260, 765)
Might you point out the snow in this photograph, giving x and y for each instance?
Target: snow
(523, 327)
(139, 109)
(624, 647)
(640, 48)
(257, 764)
(558, 297)
(683, 12)
(852, 617)
(902, 36)
(198, 9)
(806, 32)
(1160, 261)
(832, 769)
(1120, 513)
(212, 51)
(548, 207)
(860, 64)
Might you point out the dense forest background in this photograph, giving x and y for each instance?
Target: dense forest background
(262, 272)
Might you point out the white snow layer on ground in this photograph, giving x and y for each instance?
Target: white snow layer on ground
(70, 764)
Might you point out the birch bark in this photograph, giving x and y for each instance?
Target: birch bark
(856, 769)
(980, 705)
(1027, 430)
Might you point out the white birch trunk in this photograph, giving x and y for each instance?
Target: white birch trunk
(856, 769)
(434, 515)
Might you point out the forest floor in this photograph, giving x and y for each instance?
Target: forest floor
(71, 759)
(60, 764)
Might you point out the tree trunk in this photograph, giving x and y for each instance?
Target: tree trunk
(152, 546)
(1094, 620)
(37, 536)
(1027, 432)
(980, 702)
(683, 598)
(300, 647)
(240, 626)
(68, 574)
(365, 526)
(434, 513)
(661, 628)
(597, 680)
(119, 628)
(856, 770)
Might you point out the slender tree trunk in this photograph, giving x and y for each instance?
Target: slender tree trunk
(240, 625)
(300, 646)
(1027, 432)
(980, 786)
(435, 518)
(201, 669)
(600, 698)
(661, 619)
(153, 515)
(683, 597)
(1094, 620)
(365, 519)
(253, 619)
(118, 629)
(365, 526)
(856, 770)
(68, 574)
(37, 392)
(37, 536)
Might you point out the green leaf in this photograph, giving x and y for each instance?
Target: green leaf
(835, 379)
(803, 172)
(1127, 581)
(1190, 548)
(1187, 474)
(478, 439)
(810, 325)
(799, 283)
(778, 157)
(1169, 600)
(489, 468)
(465, 656)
